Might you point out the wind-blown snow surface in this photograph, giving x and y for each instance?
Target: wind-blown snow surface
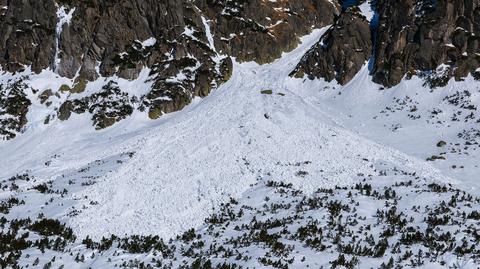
(410, 117)
(189, 162)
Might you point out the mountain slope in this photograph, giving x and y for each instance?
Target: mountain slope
(301, 161)
(181, 167)
(178, 49)
(237, 133)
(165, 177)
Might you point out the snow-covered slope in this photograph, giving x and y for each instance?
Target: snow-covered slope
(191, 161)
(164, 177)
(437, 125)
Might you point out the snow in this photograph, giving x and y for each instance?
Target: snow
(63, 17)
(209, 34)
(197, 160)
(190, 33)
(149, 42)
(361, 105)
(367, 11)
(188, 162)
(136, 87)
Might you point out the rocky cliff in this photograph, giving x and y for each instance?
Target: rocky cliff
(184, 45)
(420, 36)
(341, 52)
(436, 40)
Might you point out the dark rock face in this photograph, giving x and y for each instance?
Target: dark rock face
(111, 32)
(436, 40)
(341, 52)
(27, 34)
(257, 30)
(114, 34)
(98, 31)
(180, 41)
(422, 35)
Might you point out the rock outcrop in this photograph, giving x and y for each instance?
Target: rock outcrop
(186, 45)
(342, 50)
(27, 34)
(124, 37)
(107, 106)
(259, 30)
(422, 35)
(435, 40)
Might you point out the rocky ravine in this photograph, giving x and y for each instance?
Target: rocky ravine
(184, 45)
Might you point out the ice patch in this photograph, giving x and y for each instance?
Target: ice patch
(63, 17)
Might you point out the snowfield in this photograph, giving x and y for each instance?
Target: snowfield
(186, 164)
(411, 118)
